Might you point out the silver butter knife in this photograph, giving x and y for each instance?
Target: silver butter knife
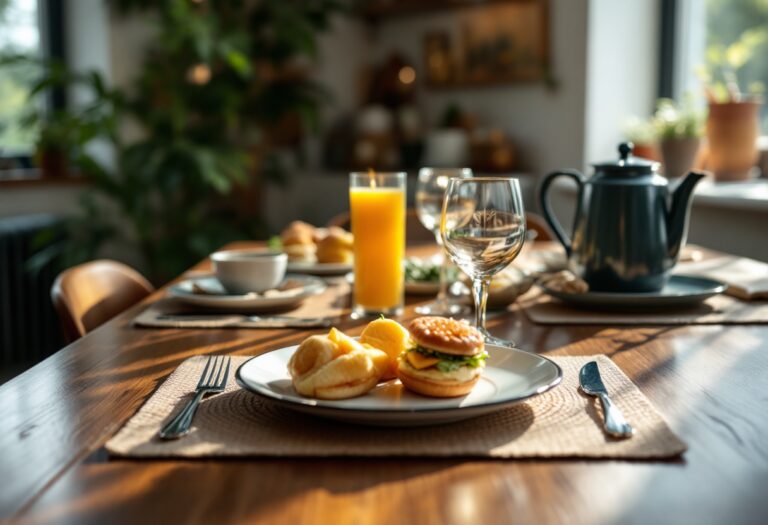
(592, 385)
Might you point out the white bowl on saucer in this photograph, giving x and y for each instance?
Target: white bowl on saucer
(245, 271)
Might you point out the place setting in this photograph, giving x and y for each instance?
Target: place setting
(382, 392)
(249, 288)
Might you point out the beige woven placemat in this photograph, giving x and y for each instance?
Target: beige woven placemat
(560, 423)
(720, 309)
(324, 307)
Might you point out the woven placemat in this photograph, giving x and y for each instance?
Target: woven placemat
(324, 308)
(560, 423)
(720, 309)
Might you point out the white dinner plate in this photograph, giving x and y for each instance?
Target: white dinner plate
(510, 376)
(319, 268)
(219, 298)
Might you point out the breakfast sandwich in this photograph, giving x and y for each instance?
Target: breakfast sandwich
(446, 357)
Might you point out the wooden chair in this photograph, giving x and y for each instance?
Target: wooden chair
(536, 223)
(416, 233)
(88, 295)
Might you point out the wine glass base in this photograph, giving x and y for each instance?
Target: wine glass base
(443, 308)
(492, 340)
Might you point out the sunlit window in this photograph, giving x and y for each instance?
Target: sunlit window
(19, 34)
(736, 50)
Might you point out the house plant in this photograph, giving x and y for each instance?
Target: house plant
(678, 131)
(733, 120)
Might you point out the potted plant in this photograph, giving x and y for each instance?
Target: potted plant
(642, 133)
(732, 123)
(679, 131)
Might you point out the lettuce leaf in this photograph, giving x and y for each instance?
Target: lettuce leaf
(450, 362)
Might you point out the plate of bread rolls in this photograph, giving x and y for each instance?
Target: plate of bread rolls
(437, 370)
(317, 251)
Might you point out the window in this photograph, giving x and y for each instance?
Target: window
(19, 34)
(736, 52)
(721, 44)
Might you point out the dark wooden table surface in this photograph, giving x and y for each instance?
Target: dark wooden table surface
(711, 382)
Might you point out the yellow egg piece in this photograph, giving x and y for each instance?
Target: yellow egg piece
(390, 337)
(345, 343)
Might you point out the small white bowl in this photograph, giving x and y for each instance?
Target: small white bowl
(246, 271)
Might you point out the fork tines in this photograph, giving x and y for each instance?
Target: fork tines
(215, 373)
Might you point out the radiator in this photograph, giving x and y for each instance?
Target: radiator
(29, 328)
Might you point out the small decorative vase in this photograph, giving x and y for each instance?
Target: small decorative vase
(679, 155)
(732, 131)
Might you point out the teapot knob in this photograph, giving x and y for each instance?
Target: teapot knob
(625, 150)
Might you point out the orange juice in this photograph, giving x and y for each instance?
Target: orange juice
(378, 225)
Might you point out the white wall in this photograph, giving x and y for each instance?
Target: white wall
(622, 71)
(547, 125)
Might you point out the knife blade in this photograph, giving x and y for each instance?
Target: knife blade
(591, 384)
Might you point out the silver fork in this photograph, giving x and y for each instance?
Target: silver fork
(212, 381)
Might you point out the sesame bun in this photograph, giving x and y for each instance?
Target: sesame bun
(424, 383)
(445, 335)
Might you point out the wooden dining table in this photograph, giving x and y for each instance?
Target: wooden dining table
(709, 381)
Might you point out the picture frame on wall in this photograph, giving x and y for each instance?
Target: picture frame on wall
(498, 43)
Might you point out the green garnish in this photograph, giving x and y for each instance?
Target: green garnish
(450, 362)
(275, 243)
(418, 270)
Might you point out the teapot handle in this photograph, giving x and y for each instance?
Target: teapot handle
(547, 209)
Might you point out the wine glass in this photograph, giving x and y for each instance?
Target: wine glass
(483, 230)
(430, 193)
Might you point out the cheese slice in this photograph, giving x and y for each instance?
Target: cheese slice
(419, 361)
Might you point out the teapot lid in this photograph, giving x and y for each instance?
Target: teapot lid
(628, 164)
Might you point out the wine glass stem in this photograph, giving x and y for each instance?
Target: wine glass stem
(480, 294)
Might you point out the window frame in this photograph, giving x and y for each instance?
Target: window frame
(51, 23)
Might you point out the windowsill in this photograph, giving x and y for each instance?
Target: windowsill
(26, 178)
(749, 195)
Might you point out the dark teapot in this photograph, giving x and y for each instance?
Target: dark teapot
(629, 226)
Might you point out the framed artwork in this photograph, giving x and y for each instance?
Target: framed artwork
(498, 43)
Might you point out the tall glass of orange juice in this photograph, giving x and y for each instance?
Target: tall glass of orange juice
(377, 214)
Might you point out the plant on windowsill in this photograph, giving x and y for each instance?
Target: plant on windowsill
(733, 119)
(642, 134)
(678, 130)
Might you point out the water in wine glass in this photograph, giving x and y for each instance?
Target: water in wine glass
(429, 204)
(486, 243)
(483, 230)
(428, 207)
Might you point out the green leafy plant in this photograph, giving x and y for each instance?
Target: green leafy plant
(640, 131)
(219, 92)
(720, 74)
(677, 121)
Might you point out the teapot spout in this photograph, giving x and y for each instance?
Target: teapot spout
(679, 211)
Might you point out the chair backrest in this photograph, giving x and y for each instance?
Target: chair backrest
(88, 295)
(416, 233)
(536, 223)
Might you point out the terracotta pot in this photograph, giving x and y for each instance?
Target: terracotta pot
(679, 155)
(732, 131)
(647, 151)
